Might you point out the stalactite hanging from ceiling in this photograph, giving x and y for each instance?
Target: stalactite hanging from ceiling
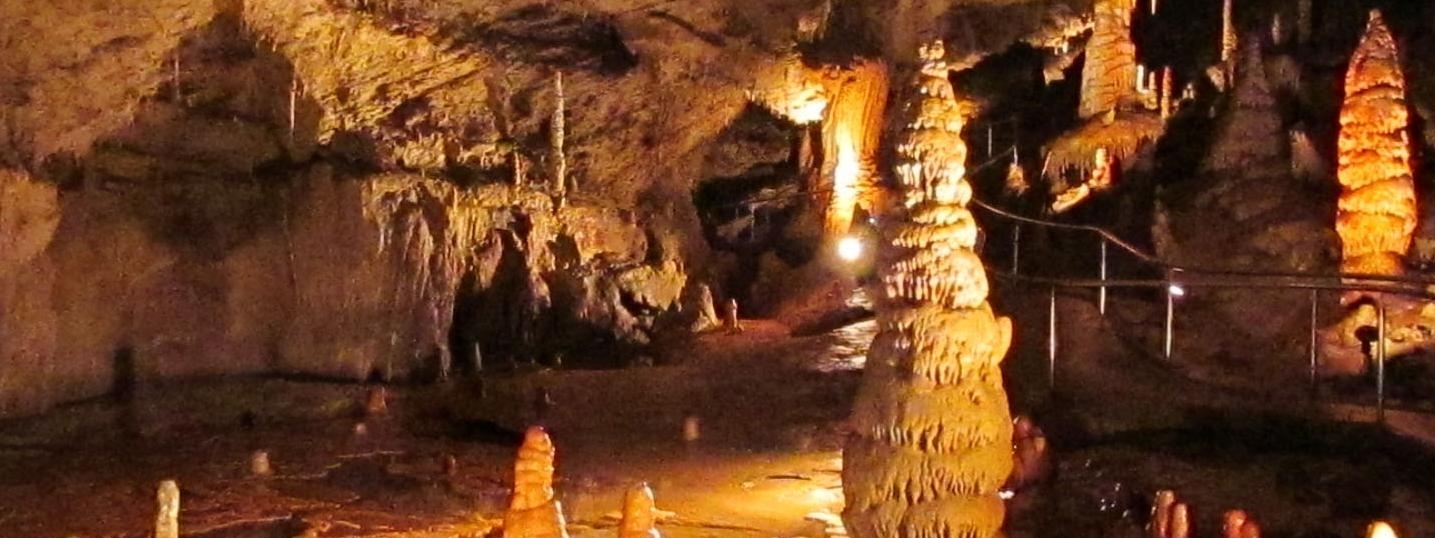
(1228, 34)
(932, 430)
(1377, 215)
(1106, 80)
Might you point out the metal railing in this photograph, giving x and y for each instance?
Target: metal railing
(1176, 279)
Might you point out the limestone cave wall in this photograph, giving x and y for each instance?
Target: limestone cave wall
(367, 188)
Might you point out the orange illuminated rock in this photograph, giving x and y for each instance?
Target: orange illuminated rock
(1032, 462)
(931, 443)
(1180, 522)
(533, 512)
(1108, 79)
(851, 132)
(1160, 526)
(639, 514)
(1376, 216)
(1232, 523)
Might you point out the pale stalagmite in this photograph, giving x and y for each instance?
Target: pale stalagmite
(1107, 79)
(1376, 215)
(1380, 529)
(166, 521)
(534, 513)
(639, 514)
(931, 442)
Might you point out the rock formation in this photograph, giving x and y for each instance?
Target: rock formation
(1249, 139)
(851, 132)
(533, 512)
(931, 442)
(1109, 77)
(1112, 109)
(166, 523)
(1273, 222)
(318, 190)
(639, 514)
(1377, 214)
(1032, 461)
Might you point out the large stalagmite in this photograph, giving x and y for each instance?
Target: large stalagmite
(1376, 215)
(931, 440)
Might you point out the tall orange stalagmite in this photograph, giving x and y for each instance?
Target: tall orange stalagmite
(1376, 216)
(931, 444)
(533, 512)
(1109, 78)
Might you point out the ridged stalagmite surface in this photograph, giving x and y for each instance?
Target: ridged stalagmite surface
(1110, 73)
(1376, 215)
(932, 430)
(534, 513)
(639, 514)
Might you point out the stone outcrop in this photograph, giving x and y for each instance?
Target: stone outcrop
(639, 518)
(1108, 80)
(1272, 221)
(932, 433)
(1377, 214)
(533, 511)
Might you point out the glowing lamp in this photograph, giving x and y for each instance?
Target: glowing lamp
(1176, 290)
(1381, 529)
(849, 249)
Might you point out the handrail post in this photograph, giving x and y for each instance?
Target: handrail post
(1380, 361)
(1101, 294)
(1314, 350)
(1170, 313)
(1051, 342)
(1016, 248)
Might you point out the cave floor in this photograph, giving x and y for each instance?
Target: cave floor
(771, 409)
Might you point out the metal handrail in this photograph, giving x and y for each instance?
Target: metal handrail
(1206, 277)
(1197, 277)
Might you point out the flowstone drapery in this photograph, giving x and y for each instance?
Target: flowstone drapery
(931, 444)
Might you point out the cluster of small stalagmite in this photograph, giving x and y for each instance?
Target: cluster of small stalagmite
(533, 512)
(932, 435)
(1377, 215)
(1107, 79)
(1169, 518)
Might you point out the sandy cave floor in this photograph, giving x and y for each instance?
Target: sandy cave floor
(771, 409)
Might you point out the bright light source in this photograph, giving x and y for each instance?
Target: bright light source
(1006, 494)
(1176, 290)
(1381, 529)
(849, 248)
